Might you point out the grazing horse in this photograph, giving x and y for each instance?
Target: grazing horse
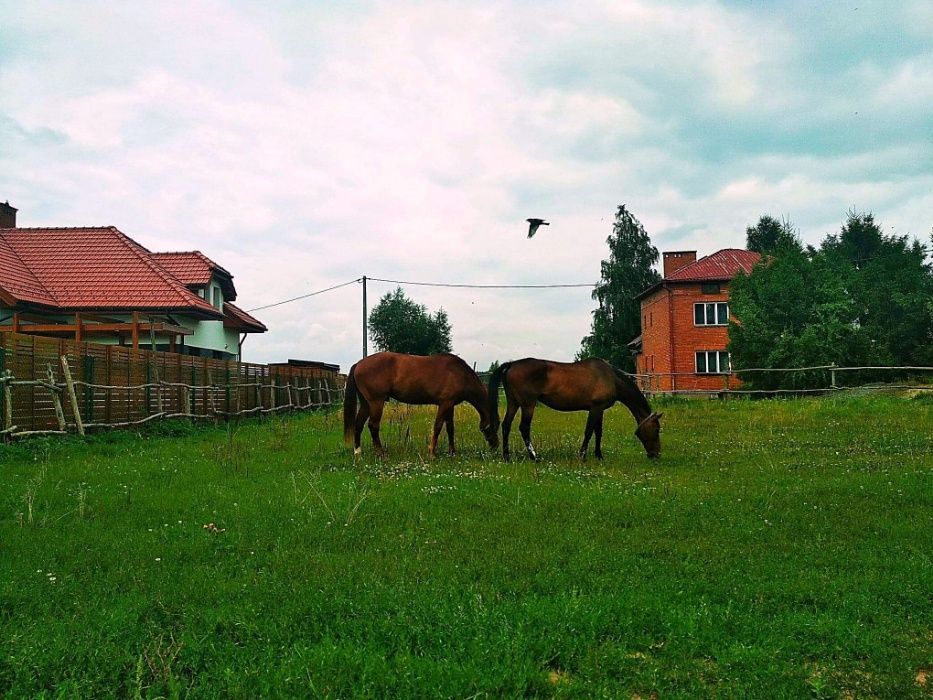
(588, 385)
(441, 380)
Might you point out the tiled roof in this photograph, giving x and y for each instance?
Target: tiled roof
(235, 317)
(89, 268)
(18, 280)
(722, 265)
(189, 267)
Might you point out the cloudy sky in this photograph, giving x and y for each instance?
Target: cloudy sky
(304, 144)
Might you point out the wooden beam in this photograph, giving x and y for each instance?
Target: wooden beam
(136, 330)
(78, 327)
(86, 329)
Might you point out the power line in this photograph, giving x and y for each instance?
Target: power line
(483, 286)
(427, 284)
(305, 296)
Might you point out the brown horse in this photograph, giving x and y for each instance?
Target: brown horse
(442, 380)
(588, 385)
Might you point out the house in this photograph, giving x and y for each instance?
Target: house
(98, 284)
(684, 322)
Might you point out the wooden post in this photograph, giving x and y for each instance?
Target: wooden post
(7, 400)
(72, 395)
(288, 390)
(135, 334)
(832, 376)
(210, 390)
(57, 401)
(79, 328)
(108, 392)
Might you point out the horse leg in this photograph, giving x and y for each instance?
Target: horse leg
(524, 427)
(510, 411)
(599, 435)
(375, 418)
(439, 420)
(449, 421)
(588, 433)
(362, 415)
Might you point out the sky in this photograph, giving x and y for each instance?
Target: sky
(305, 144)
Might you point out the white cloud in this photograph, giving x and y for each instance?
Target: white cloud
(305, 148)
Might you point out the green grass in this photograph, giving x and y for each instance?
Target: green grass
(778, 549)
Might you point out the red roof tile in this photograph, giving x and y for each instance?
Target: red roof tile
(18, 280)
(721, 265)
(190, 267)
(235, 317)
(90, 268)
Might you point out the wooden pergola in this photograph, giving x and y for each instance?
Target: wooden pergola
(90, 324)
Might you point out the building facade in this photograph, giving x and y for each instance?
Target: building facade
(98, 284)
(684, 322)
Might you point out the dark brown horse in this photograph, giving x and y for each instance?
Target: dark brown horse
(589, 385)
(440, 380)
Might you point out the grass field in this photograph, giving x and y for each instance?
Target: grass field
(778, 549)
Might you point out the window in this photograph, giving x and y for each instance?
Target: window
(218, 298)
(710, 288)
(711, 314)
(713, 362)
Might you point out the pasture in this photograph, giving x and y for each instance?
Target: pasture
(777, 549)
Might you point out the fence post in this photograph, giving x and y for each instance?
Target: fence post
(7, 400)
(56, 400)
(210, 391)
(72, 395)
(832, 375)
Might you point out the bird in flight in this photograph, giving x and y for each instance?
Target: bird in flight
(533, 225)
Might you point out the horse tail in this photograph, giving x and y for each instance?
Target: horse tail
(496, 378)
(349, 406)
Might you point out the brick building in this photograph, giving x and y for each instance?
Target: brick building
(684, 321)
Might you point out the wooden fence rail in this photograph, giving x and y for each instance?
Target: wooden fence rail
(54, 385)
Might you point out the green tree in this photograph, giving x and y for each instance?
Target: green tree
(399, 324)
(861, 299)
(770, 235)
(628, 271)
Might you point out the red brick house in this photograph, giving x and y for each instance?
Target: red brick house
(684, 322)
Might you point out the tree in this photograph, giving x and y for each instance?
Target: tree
(398, 324)
(770, 236)
(628, 271)
(861, 299)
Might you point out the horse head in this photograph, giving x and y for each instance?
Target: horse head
(649, 432)
(490, 430)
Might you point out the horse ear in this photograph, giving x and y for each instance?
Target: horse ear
(658, 416)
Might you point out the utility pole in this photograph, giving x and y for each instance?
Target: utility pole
(365, 327)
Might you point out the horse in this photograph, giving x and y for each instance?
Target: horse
(443, 380)
(588, 385)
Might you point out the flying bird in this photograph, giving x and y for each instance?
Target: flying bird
(533, 225)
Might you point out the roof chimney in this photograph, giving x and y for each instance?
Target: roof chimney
(676, 259)
(7, 215)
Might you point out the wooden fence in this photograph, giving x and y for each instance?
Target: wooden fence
(112, 385)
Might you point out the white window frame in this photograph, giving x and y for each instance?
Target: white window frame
(716, 355)
(716, 320)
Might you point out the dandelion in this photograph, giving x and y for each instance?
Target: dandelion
(158, 558)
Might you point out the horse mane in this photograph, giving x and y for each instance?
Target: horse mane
(638, 397)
